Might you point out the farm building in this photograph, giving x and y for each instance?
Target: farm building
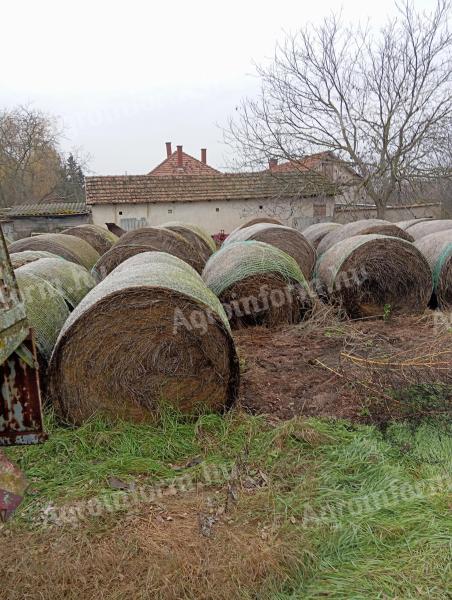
(218, 201)
(47, 217)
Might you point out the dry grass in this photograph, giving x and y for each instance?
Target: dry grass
(163, 551)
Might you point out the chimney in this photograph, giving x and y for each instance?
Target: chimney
(179, 157)
(272, 163)
(168, 149)
(204, 155)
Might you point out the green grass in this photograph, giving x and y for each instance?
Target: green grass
(358, 499)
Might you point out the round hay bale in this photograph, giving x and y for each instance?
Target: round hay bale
(147, 239)
(258, 284)
(100, 238)
(67, 246)
(407, 224)
(197, 240)
(370, 274)
(315, 233)
(18, 259)
(419, 230)
(361, 227)
(72, 281)
(437, 249)
(46, 311)
(149, 333)
(287, 239)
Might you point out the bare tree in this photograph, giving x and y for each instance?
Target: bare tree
(29, 157)
(378, 100)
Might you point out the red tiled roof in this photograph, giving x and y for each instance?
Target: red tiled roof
(306, 163)
(136, 189)
(190, 166)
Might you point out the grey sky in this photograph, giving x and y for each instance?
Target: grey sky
(125, 77)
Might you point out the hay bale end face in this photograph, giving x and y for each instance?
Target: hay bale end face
(67, 246)
(419, 230)
(18, 259)
(258, 284)
(315, 233)
(287, 239)
(149, 333)
(72, 281)
(370, 275)
(362, 227)
(46, 311)
(148, 239)
(437, 249)
(99, 237)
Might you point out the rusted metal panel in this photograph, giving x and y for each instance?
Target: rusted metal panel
(20, 408)
(13, 318)
(20, 401)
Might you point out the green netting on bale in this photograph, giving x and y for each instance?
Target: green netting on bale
(46, 310)
(437, 249)
(238, 260)
(200, 231)
(18, 259)
(152, 258)
(140, 273)
(72, 281)
(67, 246)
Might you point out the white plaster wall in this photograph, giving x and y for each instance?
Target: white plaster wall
(213, 216)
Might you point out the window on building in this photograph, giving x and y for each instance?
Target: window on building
(120, 212)
(170, 211)
(217, 209)
(261, 207)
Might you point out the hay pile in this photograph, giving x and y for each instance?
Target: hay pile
(67, 246)
(419, 230)
(148, 239)
(72, 281)
(100, 238)
(150, 333)
(18, 259)
(46, 311)
(198, 237)
(361, 227)
(315, 233)
(437, 249)
(257, 284)
(371, 275)
(289, 240)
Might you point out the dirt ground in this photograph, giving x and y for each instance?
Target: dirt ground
(341, 369)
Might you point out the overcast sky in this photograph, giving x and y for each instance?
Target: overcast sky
(125, 77)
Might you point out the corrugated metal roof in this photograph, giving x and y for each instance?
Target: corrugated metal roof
(43, 209)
